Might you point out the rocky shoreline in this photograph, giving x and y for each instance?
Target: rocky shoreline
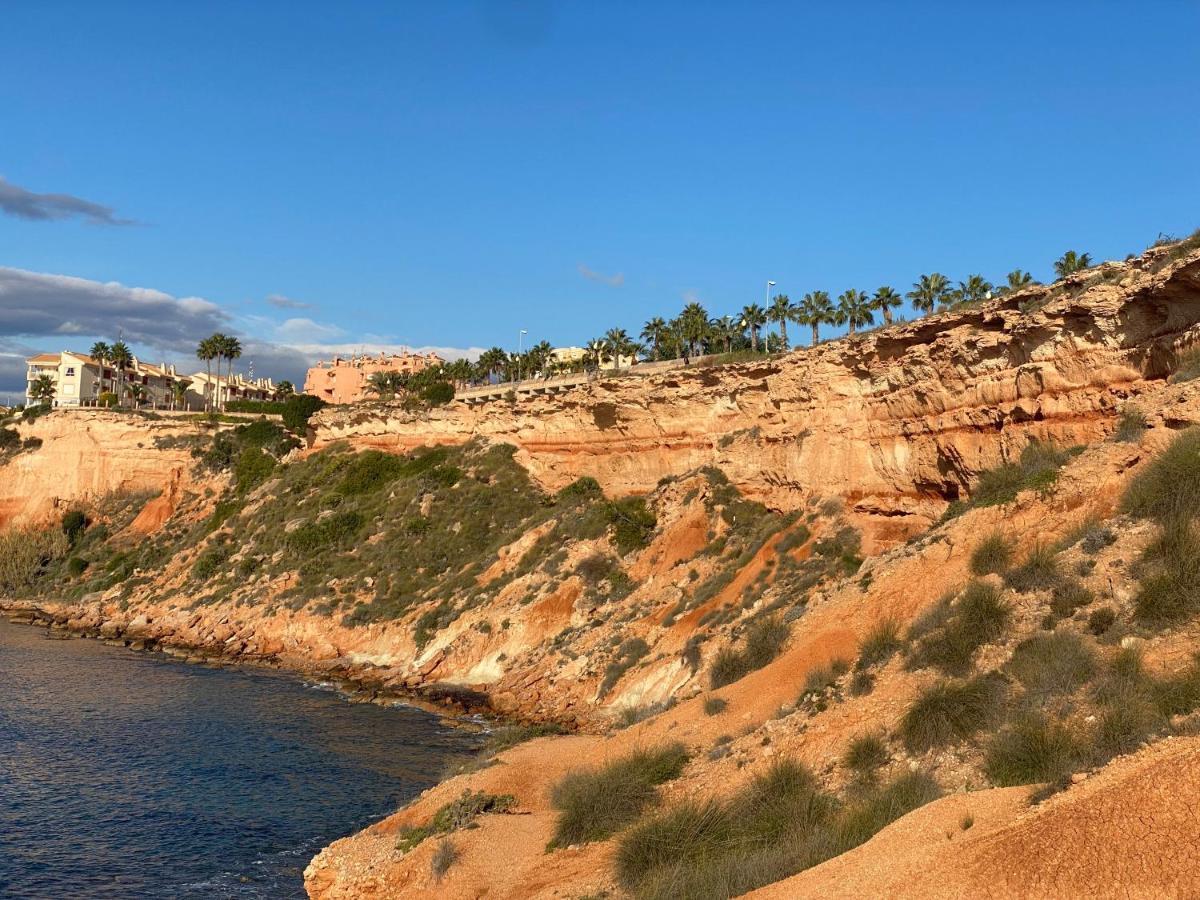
(358, 683)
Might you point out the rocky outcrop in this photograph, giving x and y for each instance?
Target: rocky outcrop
(895, 422)
(88, 454)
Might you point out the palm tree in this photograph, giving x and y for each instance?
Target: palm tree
(929, 292)
(781, 311)
(231, 349)
(137, 393)
(179, 389)
(885, 299)
(595, 354)
(693, 326)
(386, 384)
(42, 389)
(618, 344)
(285, 388)
(725, 329)
(120, 357)
(654, 331)
(491, 362)
(100, 352)
(1071, 262)
(854, 308)
(1017, 280)
(207, 351)
(815, 310)
(975, 289)
(754, 317)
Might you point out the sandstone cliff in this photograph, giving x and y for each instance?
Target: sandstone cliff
(896, 421)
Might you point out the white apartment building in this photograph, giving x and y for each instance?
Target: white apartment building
(79, 380)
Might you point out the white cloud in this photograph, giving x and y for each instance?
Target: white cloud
(279, 301)
(592, 275)
(304, 331)
(16, 201)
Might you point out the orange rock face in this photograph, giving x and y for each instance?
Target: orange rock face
(87, 454)
(894, 422)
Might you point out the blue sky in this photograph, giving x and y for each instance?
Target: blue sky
(444, 174)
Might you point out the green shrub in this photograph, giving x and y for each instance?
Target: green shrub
(76, 566)
(1039, 570)
(633, 524)
(438, 393)
(954, 632)
(865, 754)
(459, 813)
(596, 803)
(298, 409)
(585, 488)
(9, 438)
(1131, 425)
(210, 562)
(1030, 751)
(951, 711)
(507, 736)
(1122, 729)
(1179, 694)
(1168, 487)
(879, 807)
(338, 529)
(992, 554)
(253, 468)
(881, 644)
(714, 706)
(74, 523)
(1169, 589)
(369, 471)
(1055, 663)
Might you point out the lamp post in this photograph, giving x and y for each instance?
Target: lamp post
(770, 284)
(520, 350)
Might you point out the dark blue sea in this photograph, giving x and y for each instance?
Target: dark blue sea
(130, 775)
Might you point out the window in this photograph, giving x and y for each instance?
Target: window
(70, 371)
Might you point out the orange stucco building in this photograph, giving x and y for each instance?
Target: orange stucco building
(345, 380)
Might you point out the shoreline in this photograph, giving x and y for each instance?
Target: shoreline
(356, 685)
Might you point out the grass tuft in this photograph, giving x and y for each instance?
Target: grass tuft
(1039, 570)
(866, 754)
(1030, 751)
(951, 711)
(1131, 425)
(992, 554)
(880, 645)
(1055, 663)
(763, 642)
(595, 803)
(948, 635)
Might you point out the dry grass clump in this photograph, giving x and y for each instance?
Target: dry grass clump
(595, 803)
(865, 754)
(456, 814)
(1038, 570)
(1169, 591)
(1036, 469)
(1069, 594)
(825, 676)
(1030, 751)
(778, 825)
(1131, 425)
(1055, 663)
(1168, 488)
(763, 642)
(714, 706)
(992, 554)
(947, 636)
(881, 644)
(951, 711)
(445, 856)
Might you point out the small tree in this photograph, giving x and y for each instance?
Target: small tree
(42, 389)
(929, 291)
(885, 300)
(815, 310)
(855, 310)
(754, 317)
(780, 311)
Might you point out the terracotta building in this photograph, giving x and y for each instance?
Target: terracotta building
(345, 380)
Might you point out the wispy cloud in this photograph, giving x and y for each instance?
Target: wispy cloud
(24, 204)
(592, 275)
(279, 301)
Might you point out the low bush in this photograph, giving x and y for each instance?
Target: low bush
(630, 651)
(1055, 663)
(74, 523)
(210, 562)
(369, 471)
(825, 676)
(253, 468)
(76, 566)
(595, 803)
(1101, 620)
(763, 642)
(954, 632)
(333, 531)
(1069, 594)
(992, 554)
(632, 522)
(951, 711)
(1039, 570)
(508, 736)
(1030, 751)
(298, 409)
(865, 754)
(881, 644)
(1131, 425)
(459, 813)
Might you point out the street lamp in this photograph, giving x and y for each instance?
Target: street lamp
(520, 350)
(770, 284)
